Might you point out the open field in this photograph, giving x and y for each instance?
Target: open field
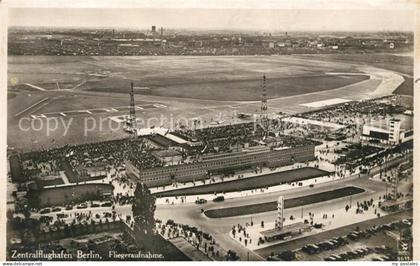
(249, 183)
(403, 64)
(288, 203)
(406, 88)
(95, 80)
(397, 63)
(236, 90)
(215, 78)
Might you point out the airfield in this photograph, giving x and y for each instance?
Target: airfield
(173, 91)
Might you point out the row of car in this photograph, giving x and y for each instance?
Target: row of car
(326, 245)
(357, 234)
(80, 206)
(388, 254)
(350, 255)
(354, 236)
(49, 210)
(204, 201)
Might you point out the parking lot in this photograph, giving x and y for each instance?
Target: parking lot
(377, 239)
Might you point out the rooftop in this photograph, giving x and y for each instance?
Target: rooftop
(166, 153)
(162, 141)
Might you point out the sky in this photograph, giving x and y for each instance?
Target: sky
(285, 19)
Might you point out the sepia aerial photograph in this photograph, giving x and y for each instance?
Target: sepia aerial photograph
(210, 134)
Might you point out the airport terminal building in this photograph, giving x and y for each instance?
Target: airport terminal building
(208, 165)
(393, 132)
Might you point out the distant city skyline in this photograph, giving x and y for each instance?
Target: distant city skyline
(217, 19)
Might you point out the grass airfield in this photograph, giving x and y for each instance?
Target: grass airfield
(212, 88)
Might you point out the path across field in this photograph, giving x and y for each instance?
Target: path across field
(288, 203)
(261, 181)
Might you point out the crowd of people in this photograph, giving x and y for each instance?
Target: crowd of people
(347, 113)
(229, 137)
(110, 153)
(356, 152)
(221, 138)
(202, 241)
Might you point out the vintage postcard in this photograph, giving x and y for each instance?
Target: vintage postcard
(209, 131)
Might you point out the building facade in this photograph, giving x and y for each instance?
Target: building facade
(208, 165)
(392, 133)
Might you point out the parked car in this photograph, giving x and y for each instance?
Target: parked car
(341, 257)
(219, 199)
(342, 240)
(387, 226)
(273, 258)
(406, 222)
(317, 225)
(336, 257)
(106, 204)
(82, 206)
(353, 236)
(311, 249)
(351, 255)
(200, 201)
(207, 236)
(325, 245)
(44, 211)
(330, 259)
(56, 209)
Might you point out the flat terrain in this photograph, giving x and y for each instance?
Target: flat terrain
(234, 90)
(288, 203)
(209, 78)
(406, 88)
(394, 62)
(249, 183)
(210, 88)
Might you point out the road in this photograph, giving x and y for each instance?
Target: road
(190, 213)
(219, 228)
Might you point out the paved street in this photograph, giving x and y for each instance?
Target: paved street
(190, 213)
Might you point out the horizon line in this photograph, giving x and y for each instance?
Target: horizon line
(207, 29)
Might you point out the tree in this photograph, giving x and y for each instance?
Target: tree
(27, 214)
(9, 214)
(143, 209)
